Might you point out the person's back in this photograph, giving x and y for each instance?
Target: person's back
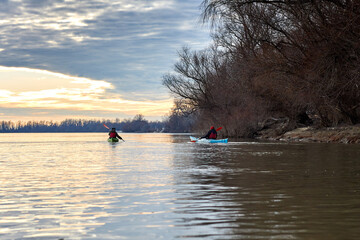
(114, 134)
(212, 134)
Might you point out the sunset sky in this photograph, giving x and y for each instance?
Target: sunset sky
(92, 59)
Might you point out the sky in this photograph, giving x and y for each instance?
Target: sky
(92, 58)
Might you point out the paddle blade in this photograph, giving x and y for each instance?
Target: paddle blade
(106, 126)
(219, 129)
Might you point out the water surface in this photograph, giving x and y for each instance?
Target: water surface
(160, 186)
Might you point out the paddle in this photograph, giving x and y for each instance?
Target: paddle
(109, 129)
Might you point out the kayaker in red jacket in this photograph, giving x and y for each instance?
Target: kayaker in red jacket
(212, 134)
(114, 134)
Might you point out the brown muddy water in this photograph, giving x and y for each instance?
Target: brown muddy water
(161, 186)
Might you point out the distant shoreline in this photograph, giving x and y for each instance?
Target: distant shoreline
(344, 134)
(136, 125)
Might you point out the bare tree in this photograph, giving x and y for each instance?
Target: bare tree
(302, 54)
(273, 58)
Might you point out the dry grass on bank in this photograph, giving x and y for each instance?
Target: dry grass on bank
(346, 134)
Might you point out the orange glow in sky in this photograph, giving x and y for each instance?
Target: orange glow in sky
(45, 93)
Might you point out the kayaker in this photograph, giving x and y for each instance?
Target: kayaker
(114, 134)
(212, 134)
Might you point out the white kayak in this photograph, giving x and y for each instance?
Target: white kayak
(204, 140)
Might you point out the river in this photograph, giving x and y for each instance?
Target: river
(161, 186)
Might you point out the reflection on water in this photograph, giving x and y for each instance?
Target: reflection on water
(280, 191)
(160, 186)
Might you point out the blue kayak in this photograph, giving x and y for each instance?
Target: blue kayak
(204, 140)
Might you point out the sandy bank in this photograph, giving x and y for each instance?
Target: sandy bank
(347, 134)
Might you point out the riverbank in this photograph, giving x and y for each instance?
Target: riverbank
(345, 134)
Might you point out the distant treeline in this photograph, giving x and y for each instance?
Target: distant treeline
(137, 124)
(292, 60)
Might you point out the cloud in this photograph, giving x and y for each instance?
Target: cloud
(57, 91)
(69, 20)
(129, 44)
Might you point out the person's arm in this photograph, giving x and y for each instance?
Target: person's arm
(207, 135)
(119, 136)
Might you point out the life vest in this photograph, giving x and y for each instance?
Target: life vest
(212, 135)
(112, 134)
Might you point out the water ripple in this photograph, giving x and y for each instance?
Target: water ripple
(159, 186)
